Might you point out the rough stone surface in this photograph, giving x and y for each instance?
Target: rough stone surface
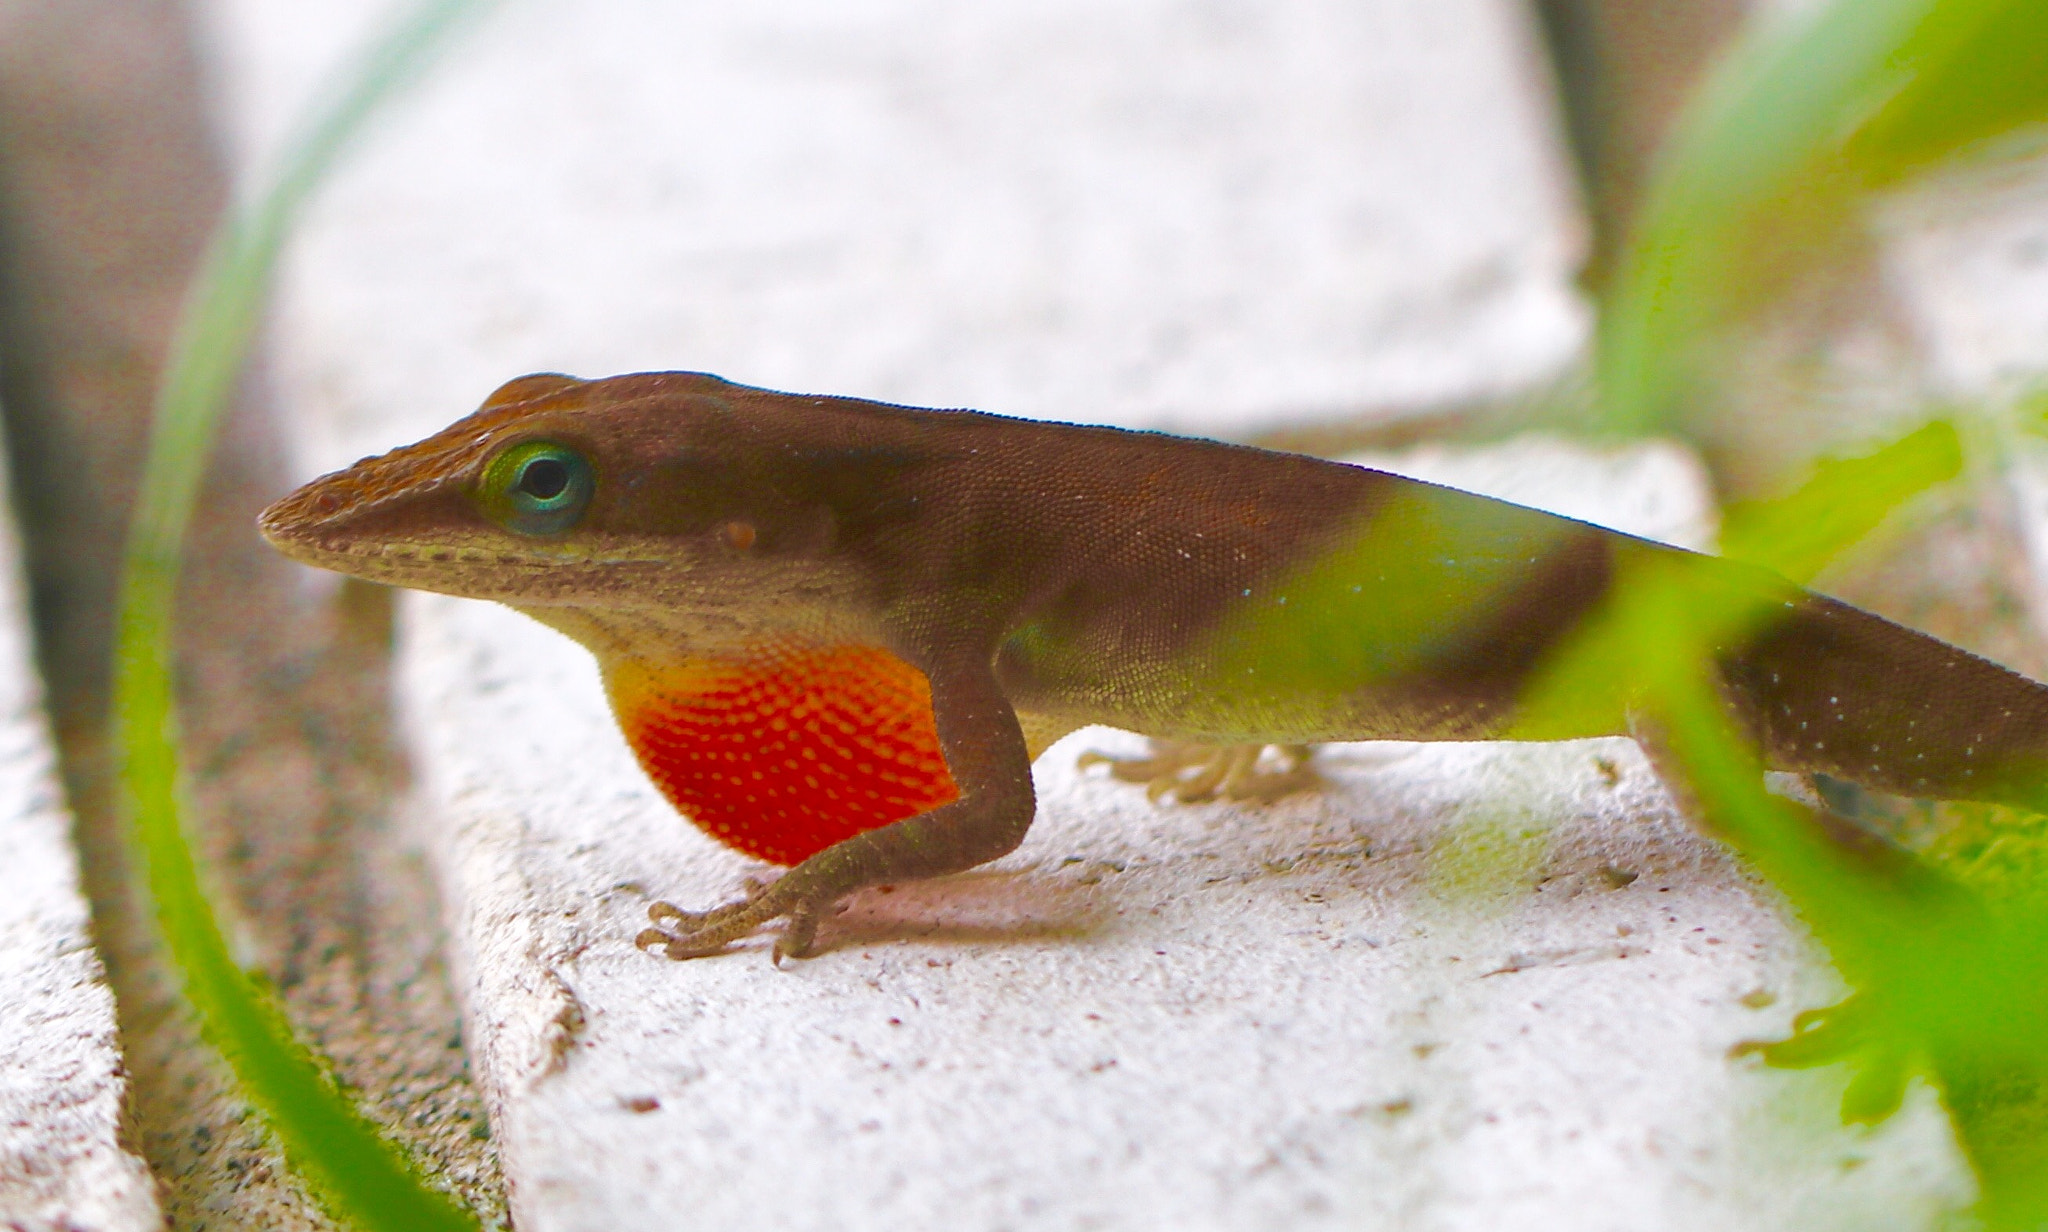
(63, 1166)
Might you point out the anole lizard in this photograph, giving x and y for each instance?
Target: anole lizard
(836, 633)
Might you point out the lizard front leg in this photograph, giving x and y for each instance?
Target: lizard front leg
(985, 752)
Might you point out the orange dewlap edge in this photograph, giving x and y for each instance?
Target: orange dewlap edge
(786, 749)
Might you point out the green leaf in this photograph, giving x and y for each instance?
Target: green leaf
(1972, 71)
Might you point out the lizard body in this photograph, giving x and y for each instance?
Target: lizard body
(836, 632)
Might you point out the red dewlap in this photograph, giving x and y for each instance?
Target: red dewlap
(789, 749)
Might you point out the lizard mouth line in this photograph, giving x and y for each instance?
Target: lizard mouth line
(403, 556)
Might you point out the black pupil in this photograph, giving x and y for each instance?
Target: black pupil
(544, 478)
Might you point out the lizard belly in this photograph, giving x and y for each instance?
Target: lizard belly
(1158, 704)
(1217, 692)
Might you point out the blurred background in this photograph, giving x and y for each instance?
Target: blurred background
(1326, 225)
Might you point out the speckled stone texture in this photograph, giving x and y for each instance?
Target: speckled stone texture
(63, 1165)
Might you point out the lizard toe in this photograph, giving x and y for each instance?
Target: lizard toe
(683, 934)
(799, 933)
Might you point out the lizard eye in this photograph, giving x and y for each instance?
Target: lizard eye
(538, 488)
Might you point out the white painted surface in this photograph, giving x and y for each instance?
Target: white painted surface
(62, 1166)
(1417, 1001)
(1156, 212)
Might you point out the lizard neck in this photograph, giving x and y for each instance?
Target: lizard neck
(784, 747)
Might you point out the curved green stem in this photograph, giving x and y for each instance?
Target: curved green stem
(360, 1176)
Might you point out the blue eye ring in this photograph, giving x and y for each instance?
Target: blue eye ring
(538, 488)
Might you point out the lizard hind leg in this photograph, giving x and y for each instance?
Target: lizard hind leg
(1193, 771)
(1871, 844)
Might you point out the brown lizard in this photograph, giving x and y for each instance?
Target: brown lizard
(836, 633)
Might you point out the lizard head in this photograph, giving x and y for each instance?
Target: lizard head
(559, 492)
(695, 536)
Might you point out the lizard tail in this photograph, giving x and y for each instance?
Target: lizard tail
(1832, 689)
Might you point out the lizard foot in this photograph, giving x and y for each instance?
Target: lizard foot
(1845, 1032)
(694, 934)
(1192, 771)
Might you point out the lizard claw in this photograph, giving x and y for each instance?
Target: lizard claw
(798, 933)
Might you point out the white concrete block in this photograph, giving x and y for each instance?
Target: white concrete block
(1657, 489)
(63, 1167)
(1150, 212)
(1466, 987)
(1966, 254)
(1966, 259)
(1469, 986)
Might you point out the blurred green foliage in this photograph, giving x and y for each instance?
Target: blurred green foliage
(1968, 74)
(1784, 144)
(1947, 948)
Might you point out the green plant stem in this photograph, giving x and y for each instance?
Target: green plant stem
(358, 1174)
